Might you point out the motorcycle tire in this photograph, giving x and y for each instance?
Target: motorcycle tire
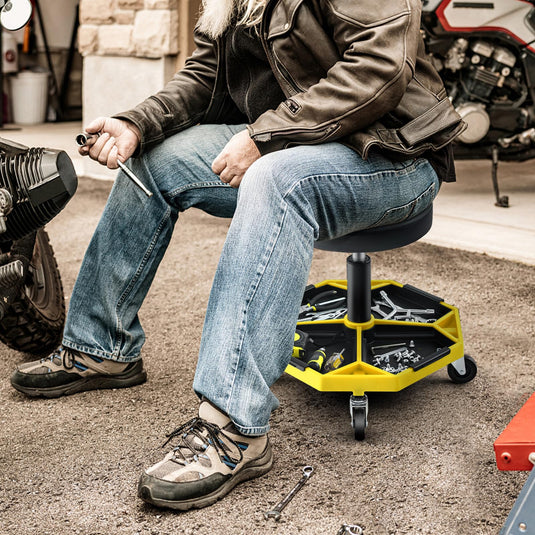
(34, 321)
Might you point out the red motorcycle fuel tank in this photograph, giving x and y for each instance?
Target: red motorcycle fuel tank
(507, 16)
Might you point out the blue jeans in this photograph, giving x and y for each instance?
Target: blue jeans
(286, 201)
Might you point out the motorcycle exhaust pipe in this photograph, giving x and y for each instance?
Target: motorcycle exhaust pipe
(35, 185)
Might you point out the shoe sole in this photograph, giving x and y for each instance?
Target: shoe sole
(255, 468)
(96, 382)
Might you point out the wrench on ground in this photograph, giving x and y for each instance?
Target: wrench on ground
(277, 510)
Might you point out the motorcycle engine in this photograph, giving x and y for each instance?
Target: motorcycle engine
(35, 185)
(486, 76)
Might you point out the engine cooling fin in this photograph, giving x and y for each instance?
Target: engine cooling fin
(40, 181)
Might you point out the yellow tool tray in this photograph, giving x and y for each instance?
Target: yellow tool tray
(393, 350)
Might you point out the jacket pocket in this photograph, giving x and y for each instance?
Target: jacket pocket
(283, 17)
(396, 215)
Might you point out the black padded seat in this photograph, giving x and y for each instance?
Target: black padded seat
(381, 238)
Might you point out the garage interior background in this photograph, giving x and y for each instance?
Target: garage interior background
(123, 51)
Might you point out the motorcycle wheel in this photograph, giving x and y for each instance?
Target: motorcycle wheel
(34, 321)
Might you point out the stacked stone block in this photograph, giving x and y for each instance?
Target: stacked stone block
(133, 28)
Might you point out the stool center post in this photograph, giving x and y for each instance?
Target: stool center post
(359, 295)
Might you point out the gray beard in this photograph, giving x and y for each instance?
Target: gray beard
(216, 16)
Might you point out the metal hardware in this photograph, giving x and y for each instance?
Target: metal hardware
(134, 178)
(277, 510)
(350, 529)
(460, 366)
(83, 138)
(403, 356)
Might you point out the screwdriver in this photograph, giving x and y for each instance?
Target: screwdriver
(334, 361)
(84, 137)
(317, 359)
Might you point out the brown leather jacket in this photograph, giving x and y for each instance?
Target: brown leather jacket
(353, 71)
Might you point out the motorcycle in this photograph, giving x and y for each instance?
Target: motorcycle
(484, 51)
(35, 185)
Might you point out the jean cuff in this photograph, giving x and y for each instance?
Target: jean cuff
(251, 431)
(98, 353)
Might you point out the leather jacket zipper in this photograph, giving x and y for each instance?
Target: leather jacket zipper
(279, 70)
(212, 110)
(287, 76)
(325, 132)
(289, 87)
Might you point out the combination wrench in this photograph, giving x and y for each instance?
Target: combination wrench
(277, 510)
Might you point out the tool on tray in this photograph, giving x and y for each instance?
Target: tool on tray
(330, 304)
(386, 309)
(334, 361)
(317, 359)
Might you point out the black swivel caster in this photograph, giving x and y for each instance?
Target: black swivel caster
(358, 407)
(458, 375)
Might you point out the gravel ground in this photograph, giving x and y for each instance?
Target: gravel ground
(71, 465)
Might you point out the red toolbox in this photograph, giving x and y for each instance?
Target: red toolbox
(517, 441)
(515, 450)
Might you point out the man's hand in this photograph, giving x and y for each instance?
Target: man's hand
(236, 157)
(117, 140)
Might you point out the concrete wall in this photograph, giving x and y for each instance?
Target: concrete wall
(113, 84)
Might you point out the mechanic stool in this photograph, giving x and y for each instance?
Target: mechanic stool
(364, 335)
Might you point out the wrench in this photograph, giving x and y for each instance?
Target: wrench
(277, 510)
(323, 316)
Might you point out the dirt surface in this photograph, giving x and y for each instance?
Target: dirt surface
(427, 466)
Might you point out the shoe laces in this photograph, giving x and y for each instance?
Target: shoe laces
(196, 436)
(66, 358)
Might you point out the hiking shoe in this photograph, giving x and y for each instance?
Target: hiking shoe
(209, 460)
(67, 371)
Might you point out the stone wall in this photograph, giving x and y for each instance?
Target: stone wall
(133, 28)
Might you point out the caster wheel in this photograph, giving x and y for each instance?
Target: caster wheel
(471, 371)
(358, 407)
(358, 421)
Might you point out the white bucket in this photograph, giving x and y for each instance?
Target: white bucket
(29, 97)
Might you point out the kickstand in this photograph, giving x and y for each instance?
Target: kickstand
(502, 201)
